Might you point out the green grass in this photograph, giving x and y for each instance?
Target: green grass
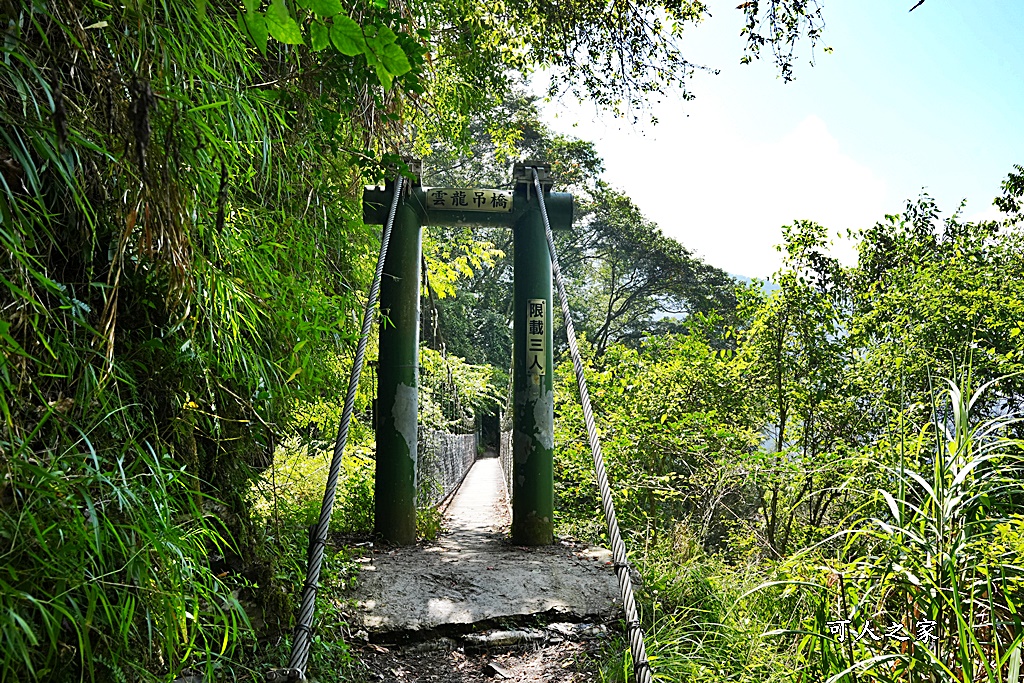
(702, 619)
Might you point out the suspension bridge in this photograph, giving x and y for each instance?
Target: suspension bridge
(499, 559)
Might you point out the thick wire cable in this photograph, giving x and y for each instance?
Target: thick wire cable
(301, 639)
(641, 667)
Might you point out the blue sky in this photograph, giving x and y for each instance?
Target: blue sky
(928, 99)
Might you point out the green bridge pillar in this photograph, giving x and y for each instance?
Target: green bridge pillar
(398, 381)
(533, 487)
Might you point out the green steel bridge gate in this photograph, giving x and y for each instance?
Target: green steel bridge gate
(397, 376)
(531, 210)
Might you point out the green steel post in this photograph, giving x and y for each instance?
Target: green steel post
(533, 487)
(398, 382)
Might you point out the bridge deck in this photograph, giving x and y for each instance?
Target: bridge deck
(473, 574)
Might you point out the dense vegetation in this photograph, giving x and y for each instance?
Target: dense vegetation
(182, 266)
(836, 475)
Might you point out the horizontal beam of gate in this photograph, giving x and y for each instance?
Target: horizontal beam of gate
(427, 203)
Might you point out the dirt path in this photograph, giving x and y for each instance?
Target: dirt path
(471, 607)
(473, 576)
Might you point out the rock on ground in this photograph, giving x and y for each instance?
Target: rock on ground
(448, 661)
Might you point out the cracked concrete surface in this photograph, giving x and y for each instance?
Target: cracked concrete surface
(472, 573)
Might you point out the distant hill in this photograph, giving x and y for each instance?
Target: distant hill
(767, 285)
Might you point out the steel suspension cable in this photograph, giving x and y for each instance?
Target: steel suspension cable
(301, 640)
(641, 667)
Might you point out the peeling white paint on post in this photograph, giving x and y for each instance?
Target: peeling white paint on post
(544, 419)
(405, 413)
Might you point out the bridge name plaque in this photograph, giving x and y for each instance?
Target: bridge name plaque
(468, 199)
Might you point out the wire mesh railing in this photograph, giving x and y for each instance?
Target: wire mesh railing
(505, 450)
(444, 460)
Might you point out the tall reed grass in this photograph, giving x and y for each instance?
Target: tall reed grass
(106, 552)
(928, 585)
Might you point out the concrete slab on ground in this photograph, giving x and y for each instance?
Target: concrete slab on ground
(473, 574)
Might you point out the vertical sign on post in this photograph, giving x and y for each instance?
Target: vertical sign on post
(535, 335)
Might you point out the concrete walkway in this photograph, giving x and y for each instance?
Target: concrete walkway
(473, 574)
(479, 512)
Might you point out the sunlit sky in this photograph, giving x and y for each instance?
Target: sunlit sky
(931, 99)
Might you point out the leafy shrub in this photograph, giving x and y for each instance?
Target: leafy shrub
(291, 490)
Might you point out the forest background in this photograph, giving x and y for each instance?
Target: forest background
(183, 264)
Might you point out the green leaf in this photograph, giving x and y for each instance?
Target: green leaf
(384, 77)
(371, 58)
(254, 26)
(4, 335)
(388, 53)
(325, 8)
(347, 37)
(330, 121)
(251, 6)
(377, 36)
(318, 36)
(395, 59)
(281, 25)
(201, 9)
